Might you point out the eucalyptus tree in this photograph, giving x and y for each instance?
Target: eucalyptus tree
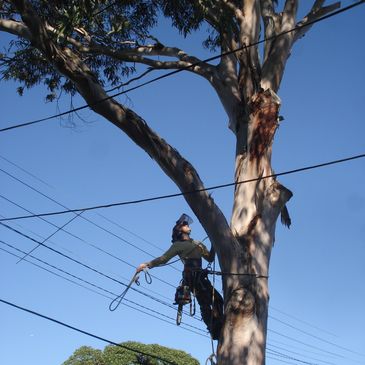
(81, 46)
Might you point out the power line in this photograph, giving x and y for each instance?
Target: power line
(84, 332)
(115, 257)
(137, 304)
(72, 234)
(168, 196)
(316, 337)
(300, 354)
(83, 217)
(64, 206)
(148, 296)
(95, 286)
(27, 172)
(186, 68)
(306, 344)
(87, 266)
(85, 242)
(46, 183)
(304, 322)
(51, 235)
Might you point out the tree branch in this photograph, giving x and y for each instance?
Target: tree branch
(170, 161)
(315, 13)
(272, 22)
(15, 28)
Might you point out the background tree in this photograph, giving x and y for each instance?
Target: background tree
(82, 46)
(114, 355)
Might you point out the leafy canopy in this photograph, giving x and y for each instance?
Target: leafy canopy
(113, 355)
(119, 25)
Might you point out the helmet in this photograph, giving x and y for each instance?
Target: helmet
(184, 219)
(176, 231)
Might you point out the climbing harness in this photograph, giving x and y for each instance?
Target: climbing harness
(135, 279)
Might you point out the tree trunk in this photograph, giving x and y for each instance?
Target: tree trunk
(257, 205)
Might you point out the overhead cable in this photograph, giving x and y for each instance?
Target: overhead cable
(98, 287)
(195, 191)
(186, 68)
(85, 332)
(171, 320)
(86, 266)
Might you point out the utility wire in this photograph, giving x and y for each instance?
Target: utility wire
(125, 262)
(94, 286)
(303, 322)
(83, 217)
(84, 332)
(314, 336)
(244, 47)
(84, 241)
(129, 301)
(87, 266)
(160, 197)
(306, 344)
(300, 354)
(277, 353)
(24, 170)
(51, 235)
(139, 304)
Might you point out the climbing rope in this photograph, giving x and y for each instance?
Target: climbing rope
(135, 279)
(213, 355)
(257, 276)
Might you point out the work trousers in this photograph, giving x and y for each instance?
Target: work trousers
(209, 299)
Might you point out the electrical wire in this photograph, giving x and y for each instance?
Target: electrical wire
(100, 288)
(51, 235)
(125, 262)
(87, 266)
(168, 196)
(129, 301)
(87, 243)
(306, 344)
(314, 336)
(300, 354)
(83, 217)
(84, 332)
(26, 171)
(244, 47)
(95, 286)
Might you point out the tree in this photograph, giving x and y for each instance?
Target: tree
(81, 46)
(117, 355)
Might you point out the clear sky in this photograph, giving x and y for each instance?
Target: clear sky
(317, 269)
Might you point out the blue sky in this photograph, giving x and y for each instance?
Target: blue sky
(317, 268)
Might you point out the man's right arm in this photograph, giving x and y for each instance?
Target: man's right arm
(169, 254)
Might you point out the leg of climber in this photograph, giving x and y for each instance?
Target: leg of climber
(211, 305)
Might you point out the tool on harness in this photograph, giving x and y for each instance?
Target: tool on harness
(182, 297)
(135, 279)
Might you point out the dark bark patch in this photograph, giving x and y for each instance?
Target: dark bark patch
(264, 113)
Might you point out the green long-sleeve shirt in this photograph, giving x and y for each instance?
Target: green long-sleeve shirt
(189, 249)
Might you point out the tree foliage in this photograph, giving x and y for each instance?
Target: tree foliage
(115, 355)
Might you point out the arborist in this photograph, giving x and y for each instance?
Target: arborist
(191, 253)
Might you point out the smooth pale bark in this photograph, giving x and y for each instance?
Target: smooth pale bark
(257, 206)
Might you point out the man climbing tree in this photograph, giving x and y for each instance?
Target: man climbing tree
(79, 46)
(194, 278)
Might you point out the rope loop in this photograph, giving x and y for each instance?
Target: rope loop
(135, 279)
(212, 359)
